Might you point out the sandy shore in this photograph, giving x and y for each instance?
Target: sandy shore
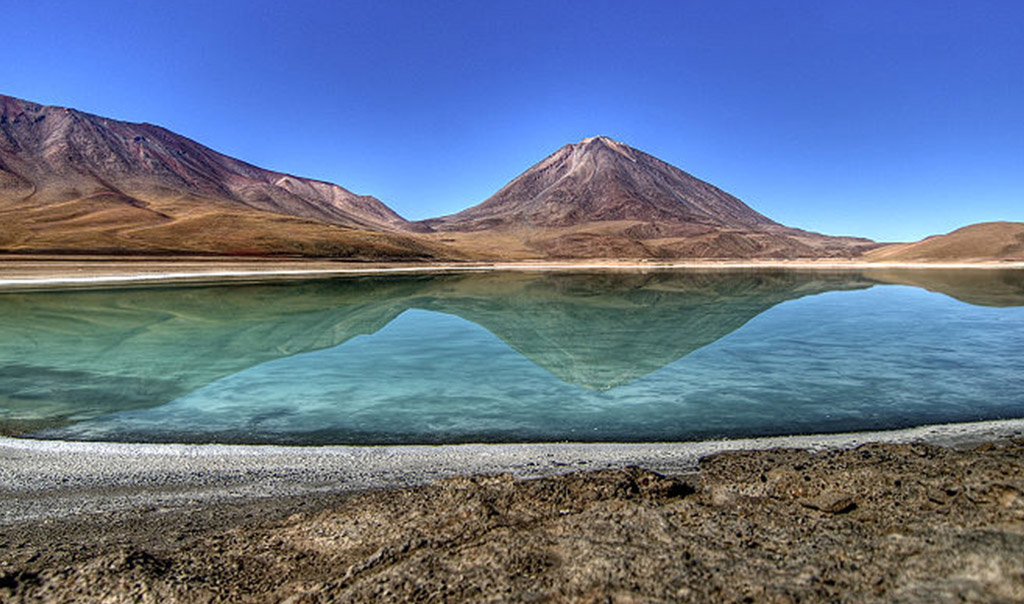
(28, 272)
(919, 515)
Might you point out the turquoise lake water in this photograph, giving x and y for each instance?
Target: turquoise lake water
(514, 357)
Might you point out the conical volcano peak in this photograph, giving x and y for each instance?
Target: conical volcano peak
(600, 179)
(600, 197)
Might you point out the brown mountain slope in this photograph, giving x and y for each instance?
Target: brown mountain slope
(75, 182)
(602, 198)
(978, 242)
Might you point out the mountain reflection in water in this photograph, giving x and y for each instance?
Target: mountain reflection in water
(71, 356)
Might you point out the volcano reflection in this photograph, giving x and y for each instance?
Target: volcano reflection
(71, 356)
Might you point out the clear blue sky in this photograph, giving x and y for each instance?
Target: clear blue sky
(889, 119)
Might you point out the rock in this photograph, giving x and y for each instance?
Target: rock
(832, 503)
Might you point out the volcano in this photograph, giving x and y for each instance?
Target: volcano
(603, 198)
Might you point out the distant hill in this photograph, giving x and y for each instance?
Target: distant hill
(602, 198)
(75, 182)
(986, 241)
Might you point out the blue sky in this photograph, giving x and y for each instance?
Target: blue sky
(887, 119)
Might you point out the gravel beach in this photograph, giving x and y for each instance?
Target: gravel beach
(926, 514)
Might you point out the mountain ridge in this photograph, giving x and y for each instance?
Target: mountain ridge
(74, 181)
(175, 158)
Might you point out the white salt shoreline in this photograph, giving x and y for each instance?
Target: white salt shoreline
(42, 480)
(68, 280)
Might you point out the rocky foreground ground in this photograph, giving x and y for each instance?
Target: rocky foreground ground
(905, 523)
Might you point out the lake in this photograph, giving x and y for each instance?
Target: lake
(515, 357)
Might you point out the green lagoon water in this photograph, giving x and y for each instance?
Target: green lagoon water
(515, 357)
